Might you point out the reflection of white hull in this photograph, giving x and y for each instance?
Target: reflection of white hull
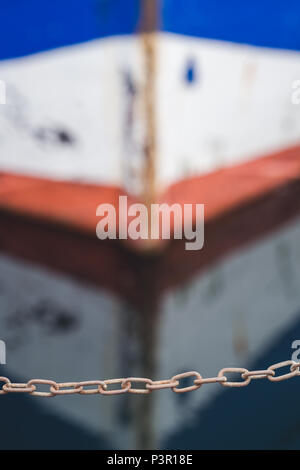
(227, 316)
(40, 345)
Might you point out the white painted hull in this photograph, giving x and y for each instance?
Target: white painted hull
(77, 113)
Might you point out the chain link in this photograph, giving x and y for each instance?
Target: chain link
(124, 385)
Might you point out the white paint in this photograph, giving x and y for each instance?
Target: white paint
(295, 98)
(238, 109)
(78, 89)
(2, 92)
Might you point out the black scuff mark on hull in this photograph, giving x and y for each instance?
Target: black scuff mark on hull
(54, 135)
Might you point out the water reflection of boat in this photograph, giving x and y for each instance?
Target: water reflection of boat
(83, 122)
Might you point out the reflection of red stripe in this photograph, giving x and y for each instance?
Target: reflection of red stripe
(53, 223)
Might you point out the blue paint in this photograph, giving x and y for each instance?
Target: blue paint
(266, 23)
(30, 26)
(190, 72)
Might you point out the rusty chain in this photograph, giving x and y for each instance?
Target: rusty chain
(102, 387)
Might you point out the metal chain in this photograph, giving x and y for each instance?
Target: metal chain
(125, 385)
